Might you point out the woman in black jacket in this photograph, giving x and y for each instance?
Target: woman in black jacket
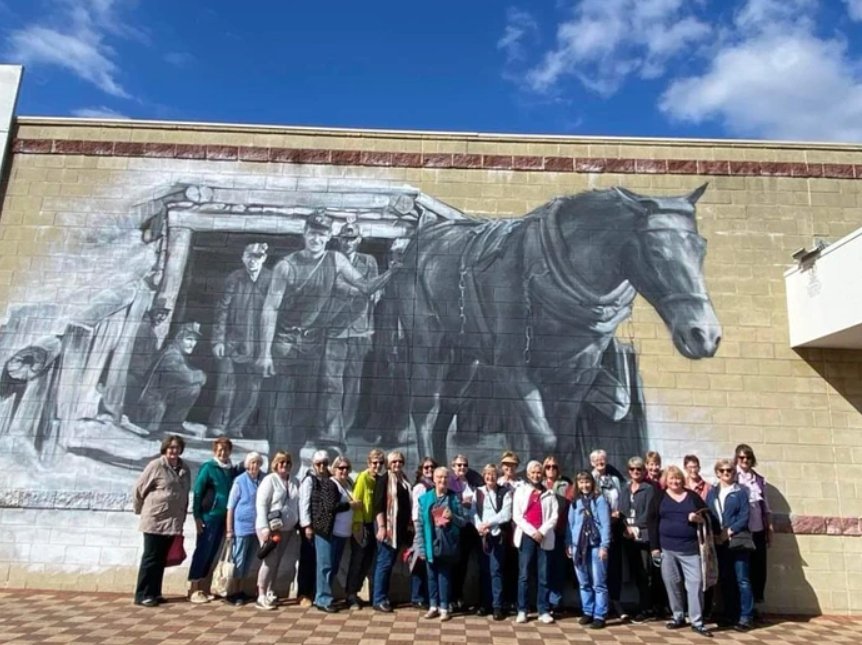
(637, 508)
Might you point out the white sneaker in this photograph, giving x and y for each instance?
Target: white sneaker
(521, 617)
(445, 615)
(264, 603)
(546, 618)
(432, 613)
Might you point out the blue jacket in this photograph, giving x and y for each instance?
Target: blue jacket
(601, 516)
(425, 525)
(734, 516)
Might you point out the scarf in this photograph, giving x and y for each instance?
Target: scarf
(589, 536)
(393, 481)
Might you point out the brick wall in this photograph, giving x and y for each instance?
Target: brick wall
(85, 205)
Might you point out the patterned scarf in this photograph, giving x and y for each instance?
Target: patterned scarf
(392, 483)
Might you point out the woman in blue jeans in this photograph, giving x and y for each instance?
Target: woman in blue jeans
(393, 525)
(588, 539)
(440, 510)
(493, 523)
(728, 502)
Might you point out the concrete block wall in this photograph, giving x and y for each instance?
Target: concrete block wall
(79, 192)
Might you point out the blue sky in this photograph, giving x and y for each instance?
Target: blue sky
(773, 69)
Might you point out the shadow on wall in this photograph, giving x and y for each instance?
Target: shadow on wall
(787, 589)
(841, 368)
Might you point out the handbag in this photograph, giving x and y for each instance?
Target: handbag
(445, 545)
(708, 555)
(176, 551)
(742, 541)
(224, 570)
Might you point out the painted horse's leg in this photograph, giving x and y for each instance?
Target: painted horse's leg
(543, 439)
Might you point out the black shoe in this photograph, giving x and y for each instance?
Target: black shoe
(329, 609)
(640, 617)
(675, 624)
(743, 626)
(384, 607)
(598, 623)
(147, 602)
(499, 614)
(703, 631)
(585, 620)
(482, 611)
(421, 606)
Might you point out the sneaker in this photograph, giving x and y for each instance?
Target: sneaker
(329, 609)
(272, 598)
(499, 615)
(625, 619)
(483, 611)
(199, 598)
(148, 602)
(675, 624)
(383, 607)
(585, 620)
(546, 618)
(598, 623)
(432, 613)
(521, 617)
(264, 604)
(700, 629)
(640, 617)
(353, 603)
(305, 603)
(743, 626)
(445, 616)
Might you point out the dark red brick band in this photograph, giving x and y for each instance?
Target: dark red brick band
(264, 154)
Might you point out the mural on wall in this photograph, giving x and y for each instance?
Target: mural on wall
(357, 315)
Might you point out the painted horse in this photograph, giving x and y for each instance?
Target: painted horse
(519, 312)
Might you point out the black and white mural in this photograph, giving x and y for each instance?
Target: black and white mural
(351, 315)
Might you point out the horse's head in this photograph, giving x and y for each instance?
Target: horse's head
(664, 262)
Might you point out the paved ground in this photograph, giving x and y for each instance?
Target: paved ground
(34, 617)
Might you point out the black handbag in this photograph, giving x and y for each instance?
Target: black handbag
(742, 541)
(445, 545)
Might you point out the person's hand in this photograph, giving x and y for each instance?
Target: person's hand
(228, 534)
(199, 526)
(769, 535)
(265, 365)
(381, 533)
(483, 528)
(603, 554)
(569, 552)
(655, 553)
(358, 533)
(356, 504)
(309, 532)
(695, 518)
(538, 537)
(264, 534)
(616, 515)
(218, 350)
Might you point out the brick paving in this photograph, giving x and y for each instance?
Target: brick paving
(65, 617)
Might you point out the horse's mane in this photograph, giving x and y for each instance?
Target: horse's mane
(583, 203)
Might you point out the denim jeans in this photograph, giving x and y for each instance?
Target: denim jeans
(328, 552)
(491, 571)
(418, 584)
(206, 550)
(439, 582)
(593, 583)
(383, 572)
(528, 553)
(735, 580)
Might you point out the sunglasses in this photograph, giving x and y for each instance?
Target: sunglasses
(428, 467)
(342, 468)
(376, 463)
(636, 470)
(725, 470)
(396, 461)
(459, 465)
(321, 463)
(552, 467)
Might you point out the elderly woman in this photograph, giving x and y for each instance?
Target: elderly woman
(588, 542)
(693, 480)
(759, 518)
(239, 525)
(510, 480)
(277, 515)
(728, 502)
(558, 566)
(209, 506)
(493, 523)
(609, 484)
(654, 473)
(439, 522)
(392, 514)
(637, 507)
(674, 541)
(328, 501)
(534, 513)
(459, 483)
(362, 545)
(418, 572)
(160, 497)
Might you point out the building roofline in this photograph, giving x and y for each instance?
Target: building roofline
(427, 134)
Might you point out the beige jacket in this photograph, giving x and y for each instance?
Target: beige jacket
(161, 497)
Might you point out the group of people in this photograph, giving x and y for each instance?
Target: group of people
(675, 534)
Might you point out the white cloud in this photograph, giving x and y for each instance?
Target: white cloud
(774, 77)
(73, 36)
(854, 9)
(520, 27)
(100, 112)
(606, 41)
(179, 59)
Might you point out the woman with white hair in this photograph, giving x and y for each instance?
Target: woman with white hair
(239, 525)
(534, 512)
